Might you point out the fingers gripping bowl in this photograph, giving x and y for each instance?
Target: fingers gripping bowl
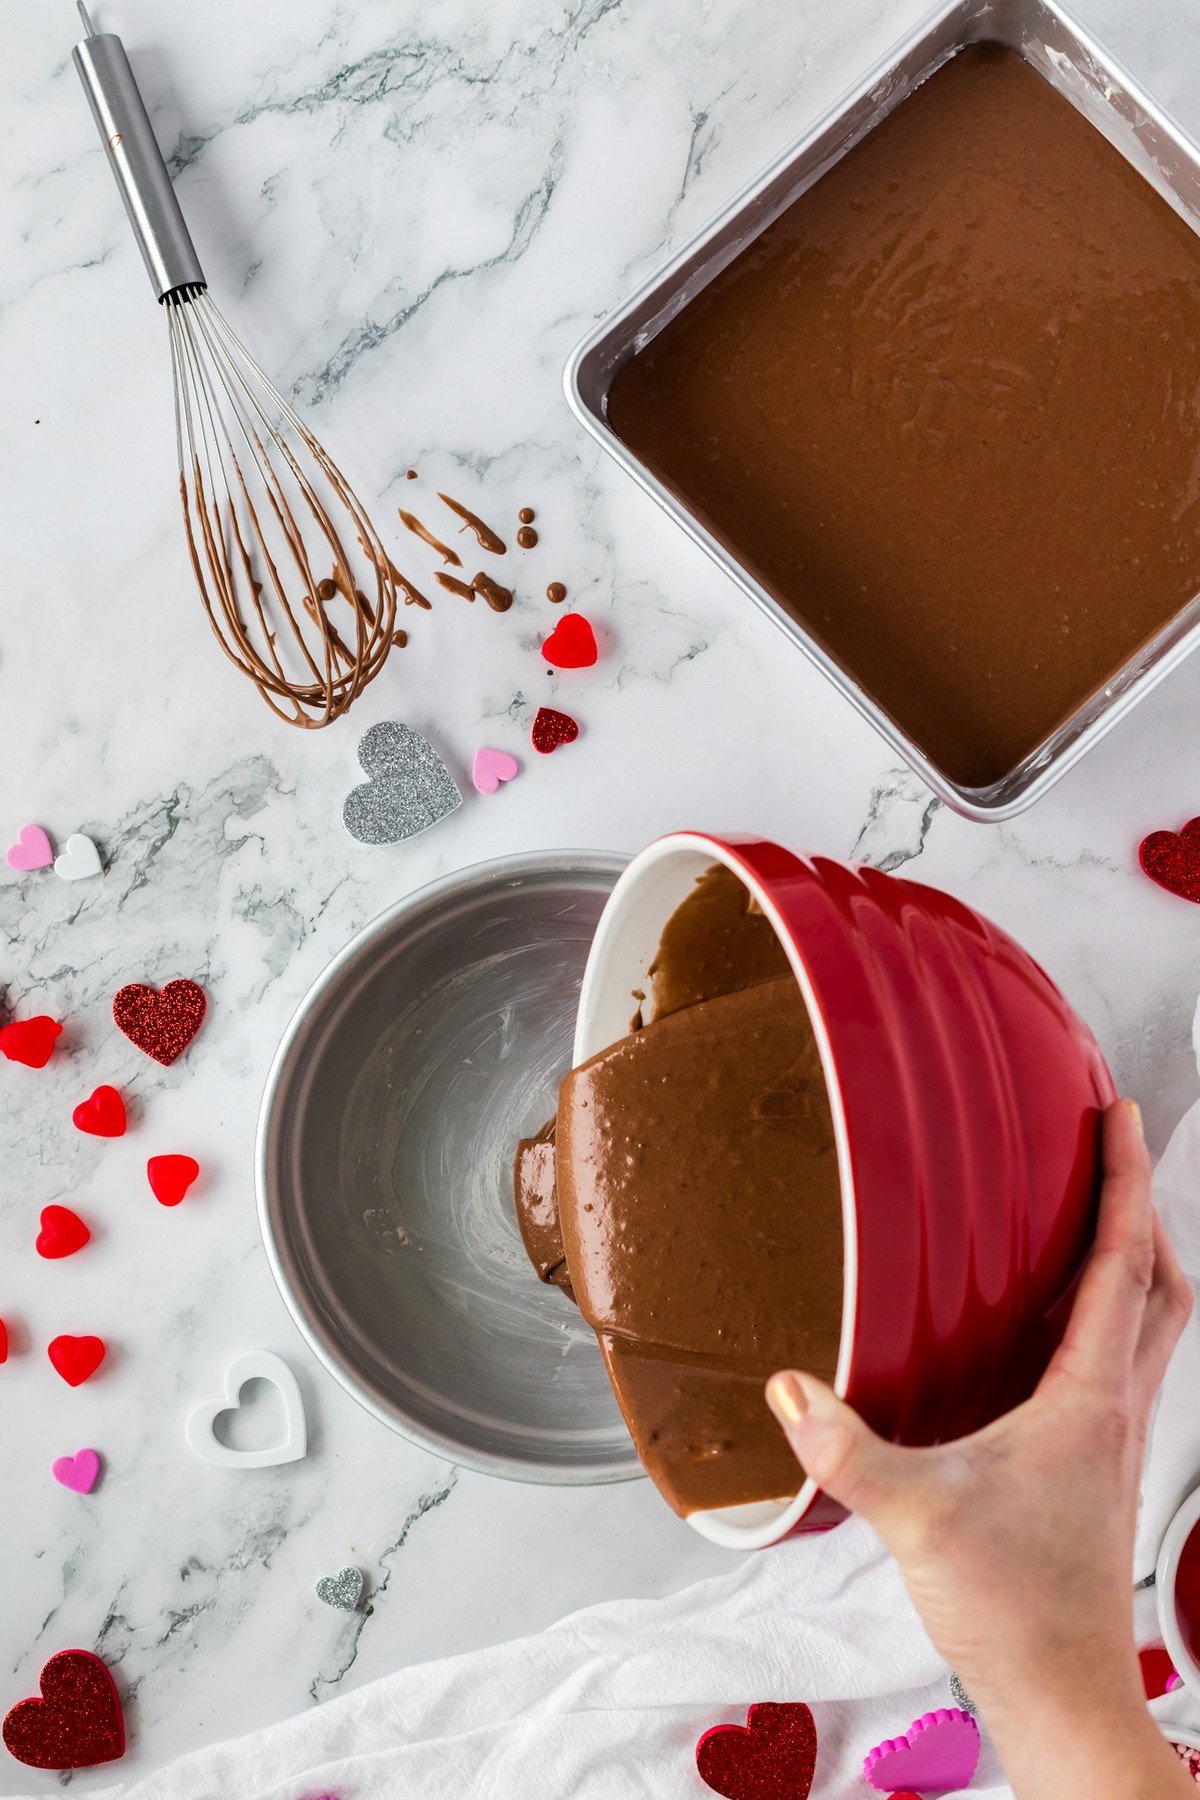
(964, 1096)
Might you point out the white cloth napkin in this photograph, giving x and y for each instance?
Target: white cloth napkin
(608, 1704)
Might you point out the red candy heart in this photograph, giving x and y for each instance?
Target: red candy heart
(572, 644)
(1173, 860)
(102, 1114)
(3, 1342)
(63, 1232)
(76, 1723)
(170, 1177)
(162, 1024)
(550, 729)
(771, 1757)
(30, 1041)
(76, 1358)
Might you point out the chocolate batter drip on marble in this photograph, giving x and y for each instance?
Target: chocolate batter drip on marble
(946, 408)
(454, 586)
(498, 598)
(695, 1203)
(413, 524)
(485, 537)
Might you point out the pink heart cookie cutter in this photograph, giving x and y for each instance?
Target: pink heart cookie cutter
(938, 1752)
(31, 851)
(80, 1472)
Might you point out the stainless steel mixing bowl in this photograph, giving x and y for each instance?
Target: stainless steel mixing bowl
(433, 1041)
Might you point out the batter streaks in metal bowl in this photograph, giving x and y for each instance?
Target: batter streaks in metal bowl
(432, 1043)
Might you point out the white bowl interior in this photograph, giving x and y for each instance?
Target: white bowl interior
(655, 883)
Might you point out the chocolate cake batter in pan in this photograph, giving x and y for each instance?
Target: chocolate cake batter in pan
(940, 411)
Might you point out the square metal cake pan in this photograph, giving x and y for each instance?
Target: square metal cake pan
(1054, 43)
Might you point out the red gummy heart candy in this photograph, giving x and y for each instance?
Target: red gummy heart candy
(550, 729)
(76, 1723)
(1173, 860)
(76, 1358)
(162, 1024)
(170, 1177)
(102, 1114)
(572, 644)
(63, 1232)
(3, 1342)
(30, 1041)
(771, 1757)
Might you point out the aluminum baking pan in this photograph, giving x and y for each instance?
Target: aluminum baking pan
(433, 1041)
(1049, 38)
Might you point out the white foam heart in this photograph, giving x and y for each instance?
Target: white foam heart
(79, 860)
(250, 1365)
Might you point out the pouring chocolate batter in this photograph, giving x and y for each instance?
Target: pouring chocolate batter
(947, 409)
(696, 1218)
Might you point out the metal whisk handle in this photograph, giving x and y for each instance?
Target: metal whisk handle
(136, 162)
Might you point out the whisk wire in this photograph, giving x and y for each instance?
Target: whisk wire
(236, 464)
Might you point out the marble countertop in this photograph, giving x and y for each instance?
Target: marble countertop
(411, 216)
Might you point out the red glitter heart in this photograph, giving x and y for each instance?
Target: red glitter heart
(63, 1232)
(76, 1358)
(1172, 859)
(572, 644)
(30, 1041)
(162, 1024)
(550, 729)
(771, 1757)
(170, 1177)
(102, 1114)
(76, 1723)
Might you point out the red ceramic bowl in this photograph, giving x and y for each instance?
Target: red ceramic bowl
(966, 1097)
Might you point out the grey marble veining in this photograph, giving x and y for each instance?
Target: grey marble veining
(410, 217)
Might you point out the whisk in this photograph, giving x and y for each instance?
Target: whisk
(293, 577)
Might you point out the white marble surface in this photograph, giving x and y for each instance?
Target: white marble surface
(411, 214)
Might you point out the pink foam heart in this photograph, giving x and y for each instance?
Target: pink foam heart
(31, 850)
(80, 1472)
(938, 1752)
(490, 768)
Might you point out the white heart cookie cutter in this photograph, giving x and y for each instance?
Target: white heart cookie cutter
(262, 1365)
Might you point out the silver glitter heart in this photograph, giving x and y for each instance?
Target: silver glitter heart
(410, 787)
(343, 1590)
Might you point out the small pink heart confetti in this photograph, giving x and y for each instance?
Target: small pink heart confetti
(490, 768)
(938, 1752)
(80, 1472)
(31, 850)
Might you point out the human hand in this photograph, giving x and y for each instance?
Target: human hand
(1016, 1543)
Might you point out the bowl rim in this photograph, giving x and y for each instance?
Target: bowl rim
(1166, 1568)
(492, 872)
(715, 1524)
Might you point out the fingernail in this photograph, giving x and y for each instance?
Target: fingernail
(1135, 1113)
(788, 1398)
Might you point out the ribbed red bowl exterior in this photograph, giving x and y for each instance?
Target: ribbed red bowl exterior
(971, 1094)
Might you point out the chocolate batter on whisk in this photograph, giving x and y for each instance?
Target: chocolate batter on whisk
(265, 508)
